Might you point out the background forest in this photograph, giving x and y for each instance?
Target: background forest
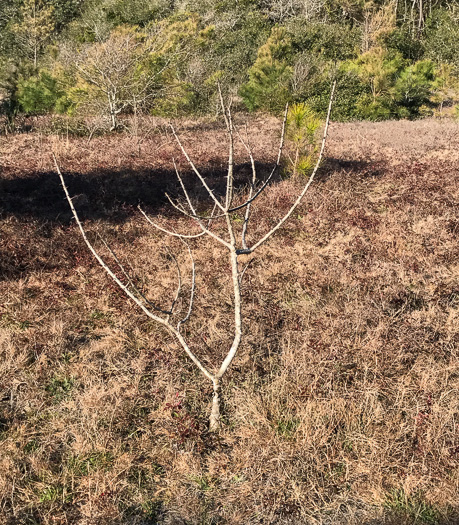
(108, 58)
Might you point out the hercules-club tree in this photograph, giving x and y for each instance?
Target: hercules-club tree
(235, 243)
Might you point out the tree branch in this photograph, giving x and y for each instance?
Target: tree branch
(305, 189)
(126, 290)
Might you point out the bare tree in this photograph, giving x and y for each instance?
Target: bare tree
(122, 73)
(224, 209)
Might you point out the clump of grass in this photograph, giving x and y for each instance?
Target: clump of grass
(413, 509)
(83, 465)
(60, 387)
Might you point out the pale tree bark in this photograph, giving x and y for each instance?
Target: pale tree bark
(222, 209)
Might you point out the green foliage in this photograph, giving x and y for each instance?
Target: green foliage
(377, 68)
(34, 27)
(54, 493)
(329, 41)
(60, 387)
(233, 52)
(403, 41)
(396, 89)
(442, 38)
(412, 507)
(64, 11)
(99, 18)
(83, 465)
(286, 427)
(301, 132)
(174, 54)
(270, 76)
(412, 88)
(135, 12)
(41, 94)
(445, 88)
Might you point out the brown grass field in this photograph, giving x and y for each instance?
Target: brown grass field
(342, 406)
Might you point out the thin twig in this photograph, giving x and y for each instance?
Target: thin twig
(173, 234)
(198, 174)
(179, 285)
(133, 286)
(265, 183)
(305, 189)
(126, 290)
(229, 128)
(204, 229)
(252, 186)
(193, 289)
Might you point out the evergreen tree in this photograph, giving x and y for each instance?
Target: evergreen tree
(270, 75)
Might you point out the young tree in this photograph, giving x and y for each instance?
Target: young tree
(35, 27)
(302, 127)
(223, 209)
(271, 74)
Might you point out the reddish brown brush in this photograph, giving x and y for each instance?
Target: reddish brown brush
(342, 403)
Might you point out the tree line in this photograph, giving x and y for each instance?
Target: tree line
(109, 58)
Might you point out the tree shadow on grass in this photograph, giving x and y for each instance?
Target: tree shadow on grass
(360, 169)
(110, 195)
(36, 215)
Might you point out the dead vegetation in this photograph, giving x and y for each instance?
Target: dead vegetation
(342, 405)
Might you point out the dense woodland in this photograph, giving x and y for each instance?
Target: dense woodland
(109, 58)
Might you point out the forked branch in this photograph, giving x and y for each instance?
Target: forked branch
(307, 185)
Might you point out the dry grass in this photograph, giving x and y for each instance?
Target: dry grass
(343, 404)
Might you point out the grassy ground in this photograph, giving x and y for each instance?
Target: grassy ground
(342, 406)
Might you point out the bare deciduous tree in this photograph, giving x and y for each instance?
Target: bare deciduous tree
(122, 73)
(223, 209)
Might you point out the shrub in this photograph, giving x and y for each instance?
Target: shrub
(402, 40)
(330, 41)
(41, 94)
(413, 87)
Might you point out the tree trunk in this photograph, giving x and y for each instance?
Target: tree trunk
(113, 113)
(214, 420)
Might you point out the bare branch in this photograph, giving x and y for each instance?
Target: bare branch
(173, 234)
(125, 289)
(204, 229)
(305, 189)
(200, 177)
(138, 292)
(276, 166)
(229, 128)
(237, 303)
(185, 192)
(241, 275)
(179, 285)
(252, 187)
(266, 182)
(193, 289)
